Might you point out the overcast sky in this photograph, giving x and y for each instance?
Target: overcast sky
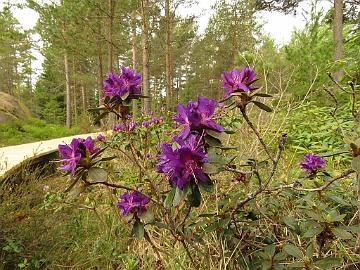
(279, 26)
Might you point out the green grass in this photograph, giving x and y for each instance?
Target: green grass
(32, 130)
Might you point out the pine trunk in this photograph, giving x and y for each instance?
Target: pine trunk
(110, 35)
(133, 45)
(168, 69)
(338, 41)
(99, 60)
(145, 56)
(68, 89)
(83, 98)
(74, 98)
(67, 77)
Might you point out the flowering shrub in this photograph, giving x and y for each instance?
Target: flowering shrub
(250, 217)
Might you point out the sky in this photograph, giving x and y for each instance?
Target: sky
(279, 26)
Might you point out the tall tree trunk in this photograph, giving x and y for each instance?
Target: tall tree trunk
(145, 55)
(83, 97)
(99, 59)
(110, 34)
(67, 76)
(168, 69)
(133, 47)
(74, 98)
(68, 89)
(338, 41)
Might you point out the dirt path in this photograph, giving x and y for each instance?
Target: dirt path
(10, 156)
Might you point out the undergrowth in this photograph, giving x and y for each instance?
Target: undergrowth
(19, 132)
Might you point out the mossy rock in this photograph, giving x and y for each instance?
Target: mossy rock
(12, 109)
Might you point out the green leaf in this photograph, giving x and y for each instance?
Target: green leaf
(222, 223)
(262, 106)
(296, 265)
(293, 251)
(147, 216)
(179, 195)
(334, 216)
(217, 135)
(169, 198)
(213, 227)
(96, 174)
(280, 256)
(328, 263)
(100, 108)
(291, 223)
(335, 153)
(211, 168)
(76, 191)
(194, 196)
(310, 251)
(355, 164)
(342, 234)
(354, 229)
(100, 116)
(313, 231)
(261, 95)
(270, 250)
(162, 225)
(108, 158)
(213, 141)
(207, 186)
(138, 229)
(72, 184)
(213, 157)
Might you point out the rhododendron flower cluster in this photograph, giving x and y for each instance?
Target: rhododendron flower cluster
(134, 202)
(184, 164)
(238, 81)
(312, 163)
(127, 84)
(76, 154)
(197, 116)
(127, 127)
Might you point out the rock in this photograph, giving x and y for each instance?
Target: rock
(12, 109)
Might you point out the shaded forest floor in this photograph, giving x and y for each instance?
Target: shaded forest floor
(35, 234)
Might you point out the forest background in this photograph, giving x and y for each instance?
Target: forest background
(81, 41)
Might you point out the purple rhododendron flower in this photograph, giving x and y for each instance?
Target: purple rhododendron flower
(197, 116)
(238, 81)
(127, 127)
(100, 138)
(183, 164)
(134, 202)
(312, 163)
(118, 127)
(127, 83)
(73, 153)
(154, 121)
(145, 124)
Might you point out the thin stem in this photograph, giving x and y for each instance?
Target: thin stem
(262, 188)
(323, 187)
(337, 84)
(251, 125)
(109, 185)
(238, 171)
(355, 113)
(188, 253)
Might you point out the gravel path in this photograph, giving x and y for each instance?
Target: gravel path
(10, 156)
